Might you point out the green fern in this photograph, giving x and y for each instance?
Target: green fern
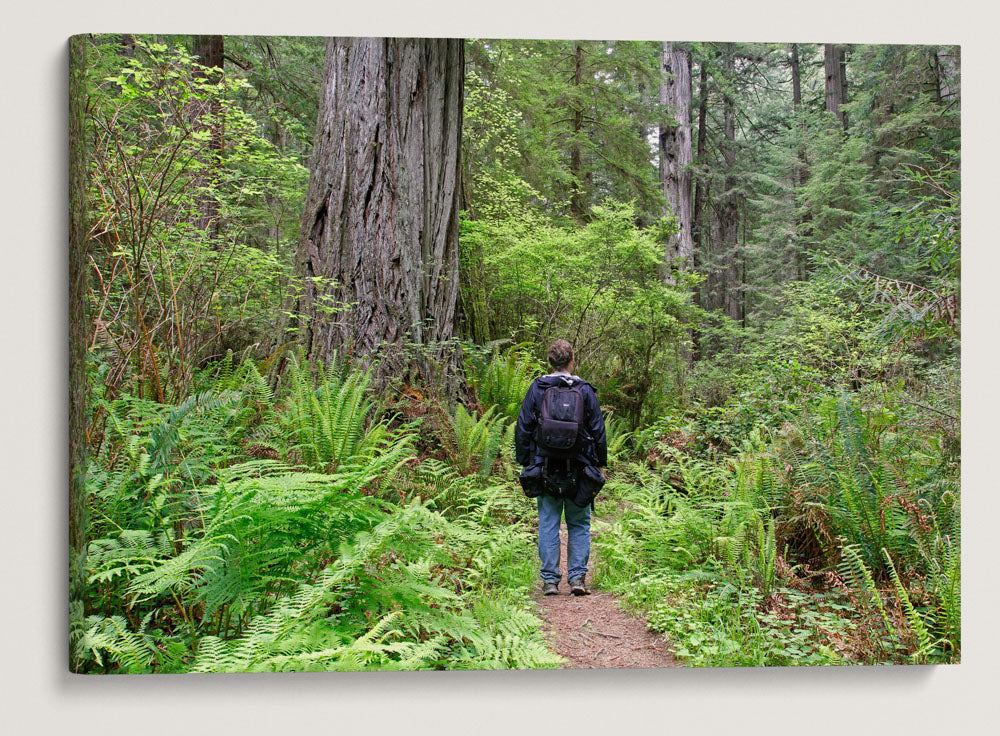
(507, 637)
(856, 574)
(913, 618)
(617, 437)
(477, 442)
(133, 652)
(164, 437)
(334, 422)
(503, 380)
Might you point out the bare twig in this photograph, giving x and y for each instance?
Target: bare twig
(931, 408)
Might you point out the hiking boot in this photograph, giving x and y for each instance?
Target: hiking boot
(550, 588)
(576, 587)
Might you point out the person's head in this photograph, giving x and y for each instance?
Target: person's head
(561, 356)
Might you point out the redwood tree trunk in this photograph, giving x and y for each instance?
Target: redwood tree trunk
(210, 51)
(378, 251)
(844, 98)
(698, 223)
(835, 67)
(675, 146)
(126, 46)
(577, 201)
(796, 78)
(949, 63)
(800, 172)
(729, 209)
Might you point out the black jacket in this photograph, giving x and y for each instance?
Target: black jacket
(594, 450)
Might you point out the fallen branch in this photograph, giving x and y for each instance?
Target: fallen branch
(931, 408)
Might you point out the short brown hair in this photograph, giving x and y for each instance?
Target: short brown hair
(560, 354)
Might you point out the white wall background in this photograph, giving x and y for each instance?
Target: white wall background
(39, 695)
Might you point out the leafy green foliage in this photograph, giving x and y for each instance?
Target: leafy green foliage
(599, 285)
(194, 215)
(477, 440)
(714, 545)
(332, 422)
(207, 559)
(502, 380)
(554, 121)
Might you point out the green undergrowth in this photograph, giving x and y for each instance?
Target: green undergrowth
(259, 529)
(666, 560)
(312, 523)
(830, 541)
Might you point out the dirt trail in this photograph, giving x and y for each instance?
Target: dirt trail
(592, 631)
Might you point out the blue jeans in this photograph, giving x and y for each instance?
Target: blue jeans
(550, 509)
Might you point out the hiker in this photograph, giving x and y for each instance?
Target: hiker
(561, 443)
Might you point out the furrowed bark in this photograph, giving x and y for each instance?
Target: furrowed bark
(835, 68)
(675, 147)
(378, 250)
(697, 221)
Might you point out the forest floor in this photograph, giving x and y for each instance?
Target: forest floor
(592, 631)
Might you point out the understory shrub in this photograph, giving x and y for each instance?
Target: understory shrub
(249, 530)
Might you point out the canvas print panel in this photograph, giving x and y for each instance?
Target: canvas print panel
(408, 353)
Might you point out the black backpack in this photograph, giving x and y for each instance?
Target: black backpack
(560, 431)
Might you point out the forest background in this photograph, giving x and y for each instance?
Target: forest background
(310, 291)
